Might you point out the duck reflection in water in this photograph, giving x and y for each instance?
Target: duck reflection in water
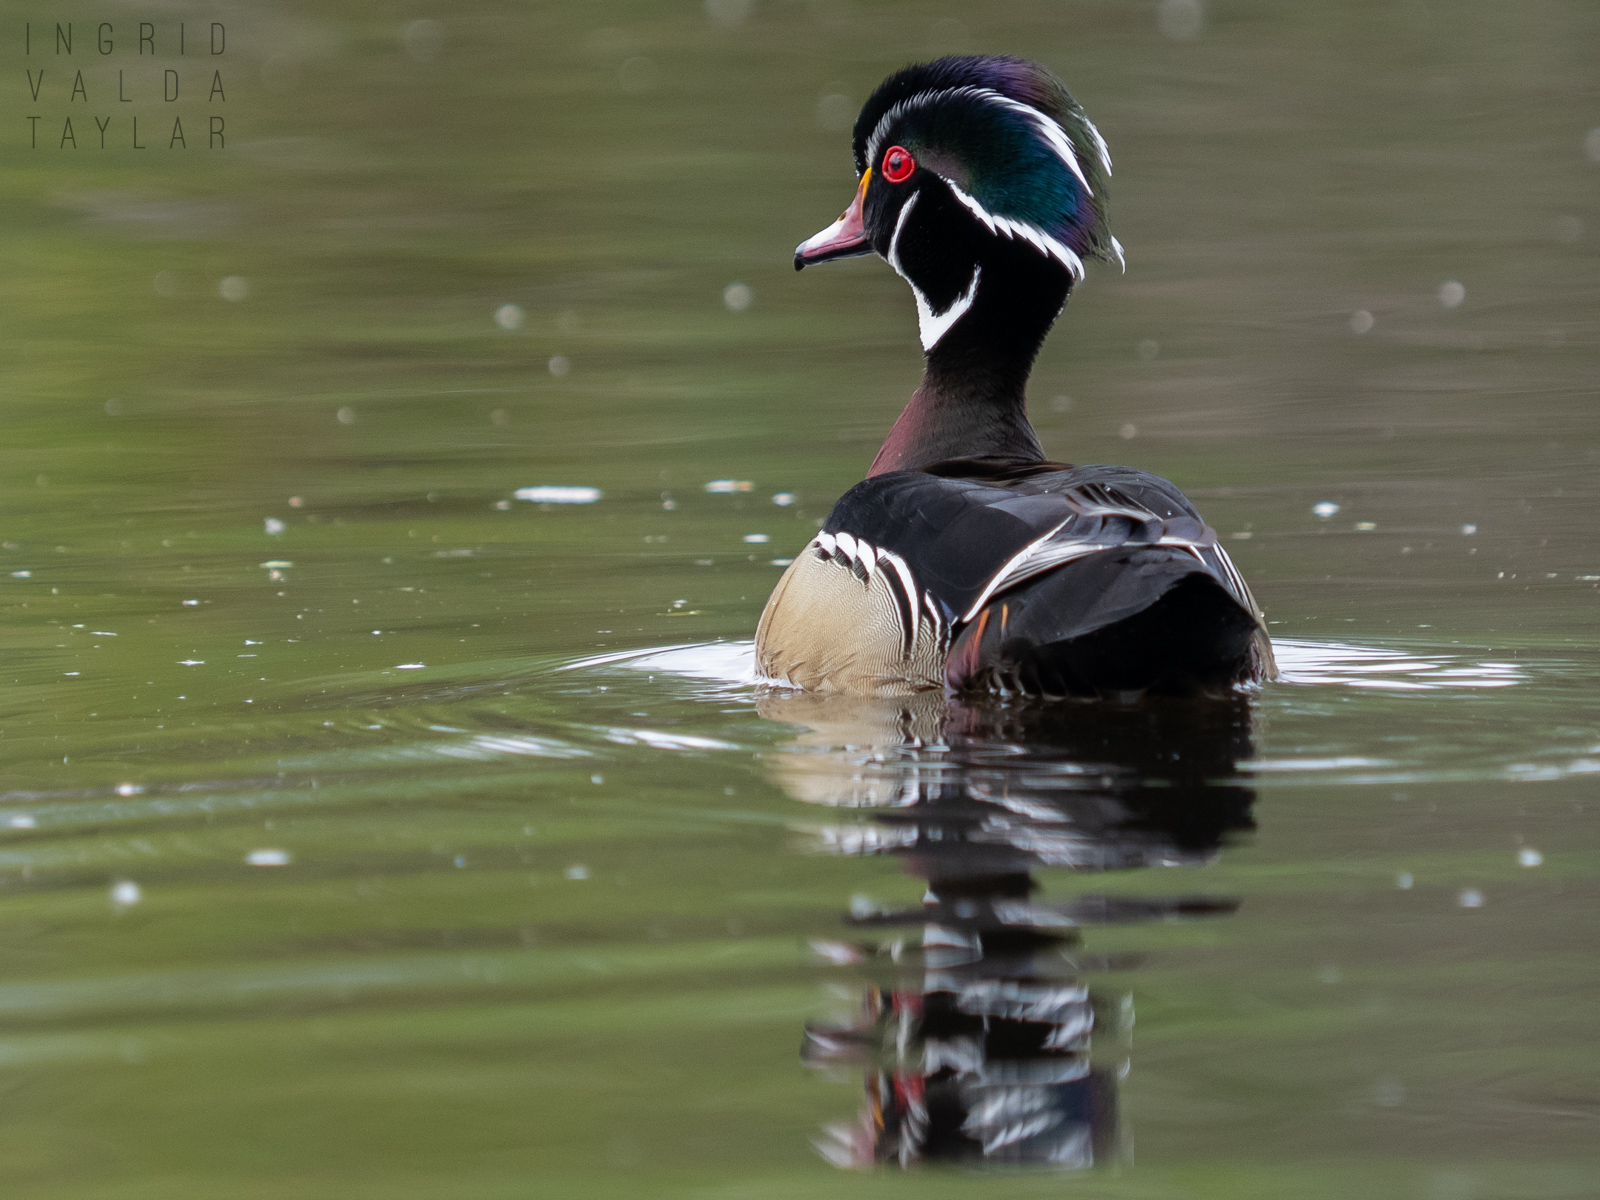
(981, 1039)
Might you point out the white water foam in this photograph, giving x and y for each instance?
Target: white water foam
(1301, 663)
(1322, 663)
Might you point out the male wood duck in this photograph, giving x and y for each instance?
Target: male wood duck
(966, 560)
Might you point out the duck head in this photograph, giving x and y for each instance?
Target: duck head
(983, 184)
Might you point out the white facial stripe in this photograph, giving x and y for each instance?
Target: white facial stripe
(931, 326)
(1053, 133)
(1100, 146)
(1049, 128)
(972, 204)
(1029, 233)
(899, 224)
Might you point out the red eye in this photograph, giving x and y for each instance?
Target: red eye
(898, 164)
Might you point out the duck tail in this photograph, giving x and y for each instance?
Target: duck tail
(1123, 622)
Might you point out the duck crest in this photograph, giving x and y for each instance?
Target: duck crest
(1017, 150)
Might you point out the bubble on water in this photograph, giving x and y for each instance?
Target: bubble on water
(1366, 526)
(22, 821)
(346, 415)
(461, 861)
(1452, 292)
(838, 953)
(727, 486)
(502, 505)
(1468, 530)
(409, 666)
(125, 893)
(128, 789)
(783, 562)
(757, 539)
(737, 296)
(1148, 350)
(1325, 508)
(783, 499)
(25, 575)
(296, 501)
(1180, 20)
(165, 284)
(273, 564)
(1403, 881)
(269, 856)
(729, 13)
(191, 662)
(1470, 898)
(862, 906)
(597, 780)
(1361, 321)
(423, 39)
(113, 407)
(234, 287)
(558, 494)
(1388, 1093)
(1591, 144)
(577, 871)
(835, 112)
(509, 316)
(1128, 431)
(638, 74)
(274, 526)
(1529, 857)
(560, 366)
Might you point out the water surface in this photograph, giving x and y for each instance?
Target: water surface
(367, 831)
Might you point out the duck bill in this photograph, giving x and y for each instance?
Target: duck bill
(845, 238)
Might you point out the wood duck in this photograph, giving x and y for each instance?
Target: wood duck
(966, 560)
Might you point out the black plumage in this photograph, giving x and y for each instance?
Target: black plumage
(1043, 572)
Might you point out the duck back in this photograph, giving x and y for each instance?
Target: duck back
(1036, 577)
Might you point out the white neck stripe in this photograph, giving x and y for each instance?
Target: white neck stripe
(931, 326)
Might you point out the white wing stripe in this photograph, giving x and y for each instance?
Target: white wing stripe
(1016, 559)
(907, 583)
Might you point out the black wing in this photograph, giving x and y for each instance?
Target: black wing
(968, 537)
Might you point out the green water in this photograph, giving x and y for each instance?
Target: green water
(544, 917)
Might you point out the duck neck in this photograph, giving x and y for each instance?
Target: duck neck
(973, 399)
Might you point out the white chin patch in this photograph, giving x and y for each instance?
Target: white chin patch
(930, 325)
(933, 326)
